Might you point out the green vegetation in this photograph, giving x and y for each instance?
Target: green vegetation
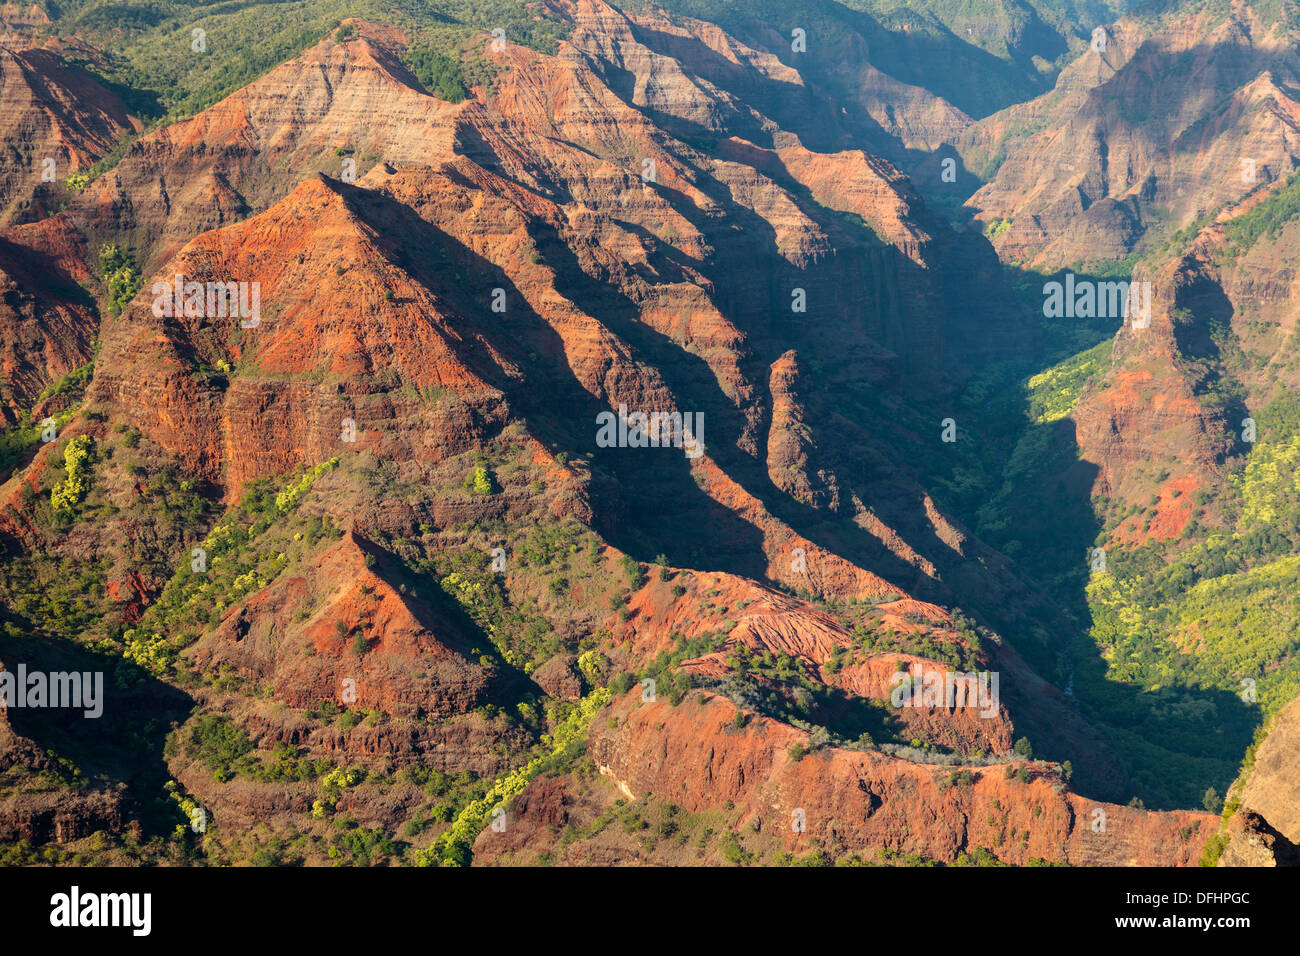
(635, 573)
(781, 686)
(120, 276)
(545, 552)
(332, 787)
(358, 846)
(669, 680)
(288, 499)
(78, 458)
(1265, 220)
(454, 847)
(664, 832)
(979, 856)
(17, 441)
(1191, 641)
(1178, 627)
(74, 381)
(241, 554)
(165, 72)
(65, 595)
(481, 481)
(1054, 392)
(219, 743)
(1220, 609)
(443, 76)
(995, 228)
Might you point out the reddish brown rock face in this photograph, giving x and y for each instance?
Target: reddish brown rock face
(368, 643)
(231, 160)
(440, 301)
(58, 121)
(46, 329)
(1117, 151)
(858, 801)
(1265, 830)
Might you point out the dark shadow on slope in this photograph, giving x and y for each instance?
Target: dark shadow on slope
(683, 523)
(971, 78)
(1201, 340)
(122, 746)
(863, 294)
(441, 615)
(1172, 743)
(690, 527)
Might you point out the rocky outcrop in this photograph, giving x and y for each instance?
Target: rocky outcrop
(1148, 415)
(1120, 153)
(1265, 830)
(851, 801)
(766, 622)
(60, 816)
(320, 112)
(278, 409)
(47, 322)
(57, 120)
(362, 643)
(34, 806)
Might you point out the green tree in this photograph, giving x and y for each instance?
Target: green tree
(632, 568)
(480, 481)
(120, 276)
(77, 458)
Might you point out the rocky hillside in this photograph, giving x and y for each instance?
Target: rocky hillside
(1171, 116)
(58, 120)
(308, 405)
(1262, 828)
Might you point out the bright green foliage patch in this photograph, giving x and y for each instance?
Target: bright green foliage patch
(240, 555)
(454, 847)
(1054, 393)
(78, 459)
(480, 481)
(120, 276)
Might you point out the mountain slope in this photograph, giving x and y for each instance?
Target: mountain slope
(58, 120)
(371, 529)
(1183, 112)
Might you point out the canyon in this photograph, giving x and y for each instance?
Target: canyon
(363, 571)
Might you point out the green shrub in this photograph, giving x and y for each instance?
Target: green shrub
(635, 574)
(441, 75)
(77, 459)
(120, 276)
(480, 481)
